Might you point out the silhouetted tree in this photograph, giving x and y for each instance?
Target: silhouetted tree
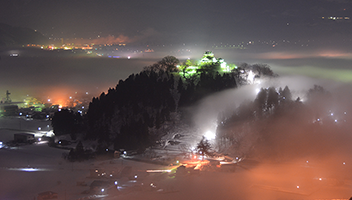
(286, 94)
(167, 64)
(66, 122)
(204, 147)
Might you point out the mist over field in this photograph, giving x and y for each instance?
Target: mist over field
(44, 74)
(288, 156)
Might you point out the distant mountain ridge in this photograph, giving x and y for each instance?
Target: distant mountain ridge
(11, 35)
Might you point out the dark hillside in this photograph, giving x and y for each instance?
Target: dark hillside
(10, 35)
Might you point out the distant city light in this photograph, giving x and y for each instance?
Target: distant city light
(158, 170)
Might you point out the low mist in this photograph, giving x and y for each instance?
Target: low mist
(60, 74)
(298, 151)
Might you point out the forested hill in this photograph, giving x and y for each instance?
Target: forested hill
(10, 35)
(130, 115)
(143, 108)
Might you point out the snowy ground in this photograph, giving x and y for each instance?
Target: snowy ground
(28, 170)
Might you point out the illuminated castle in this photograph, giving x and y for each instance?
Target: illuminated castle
(207, 62)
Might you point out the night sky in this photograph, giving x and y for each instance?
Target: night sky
(182, 21)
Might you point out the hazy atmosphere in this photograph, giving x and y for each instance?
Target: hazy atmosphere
(176, 99)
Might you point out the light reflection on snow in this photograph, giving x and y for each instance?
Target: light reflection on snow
(29, 169)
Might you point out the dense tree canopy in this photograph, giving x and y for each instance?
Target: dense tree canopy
(67, 122)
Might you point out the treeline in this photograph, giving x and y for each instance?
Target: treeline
(277, 127)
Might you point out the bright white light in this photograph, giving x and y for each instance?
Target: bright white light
(129, 57)
(158, 170)
(257, 91)
(115, 182)
(209, 135)
(28, 169)
(39, 128)
(50, 133)
(297, 186)
(102, 190)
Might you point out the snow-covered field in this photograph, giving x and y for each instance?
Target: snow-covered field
(28, 170)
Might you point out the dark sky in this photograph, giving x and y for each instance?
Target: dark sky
(182, 20)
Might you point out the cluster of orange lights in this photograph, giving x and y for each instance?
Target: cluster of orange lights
(63, 102)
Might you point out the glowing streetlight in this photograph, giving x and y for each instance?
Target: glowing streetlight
(209, 135)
